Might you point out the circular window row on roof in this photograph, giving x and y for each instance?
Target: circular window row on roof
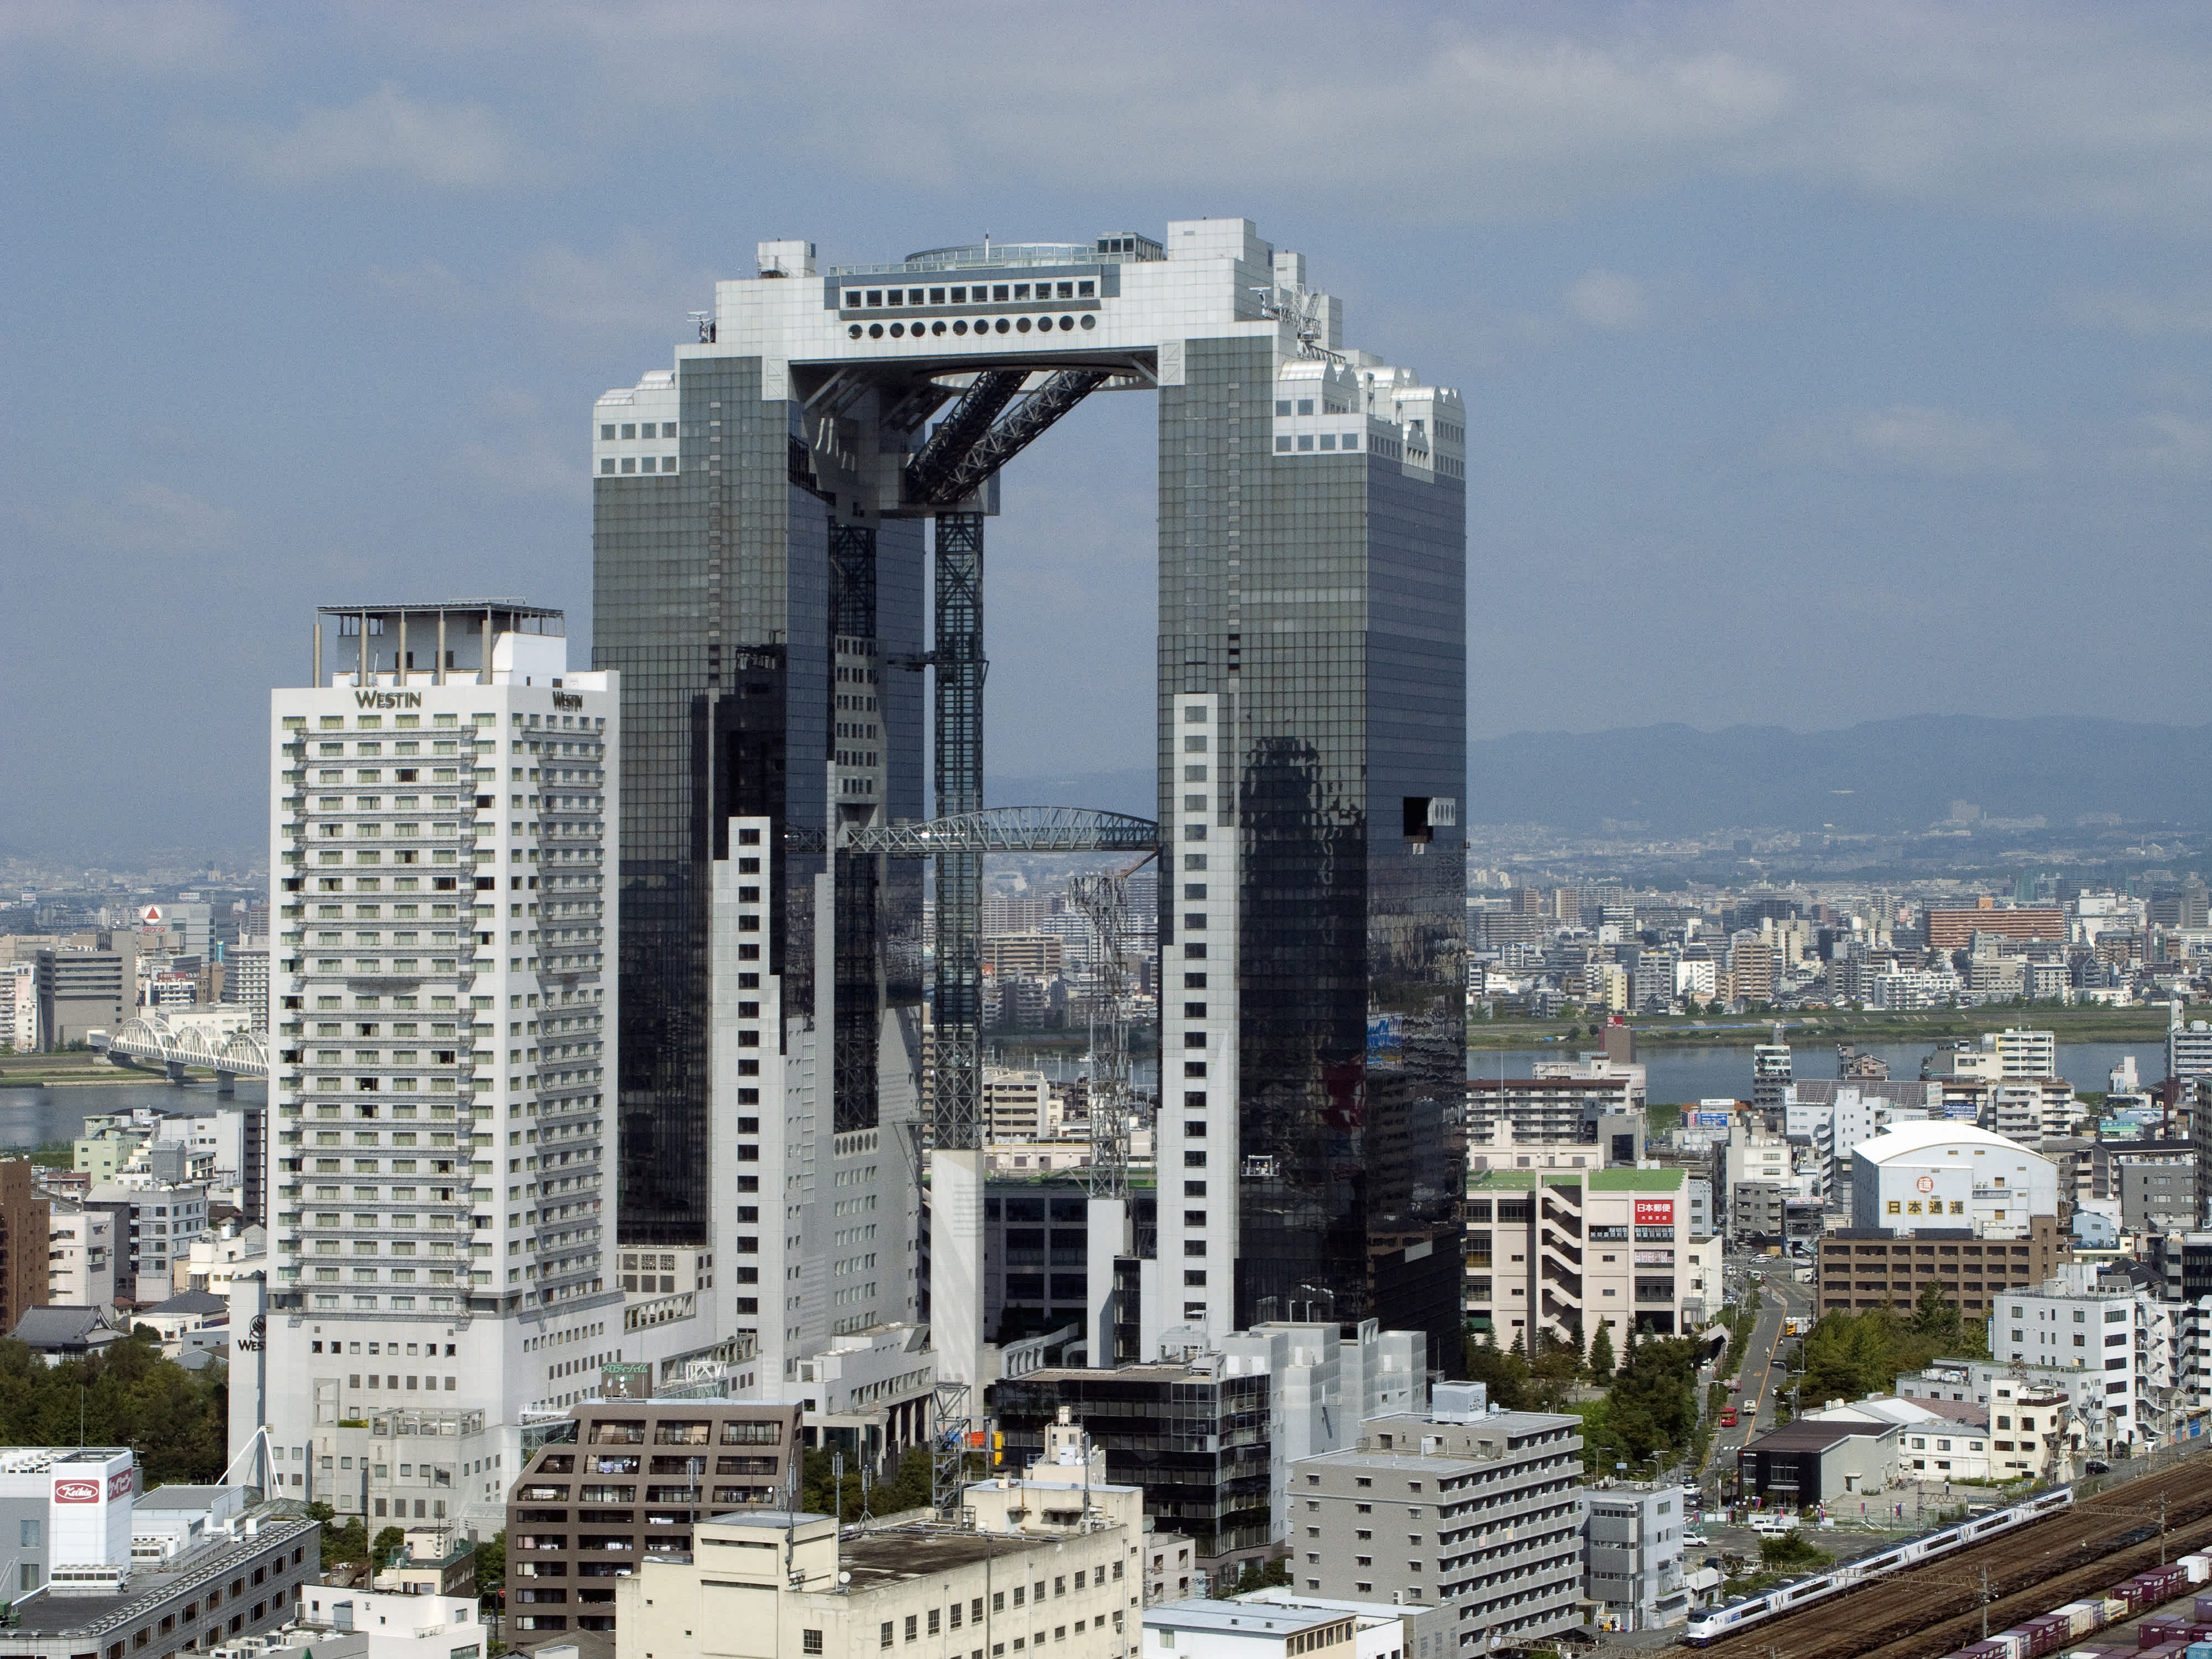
(982, 325)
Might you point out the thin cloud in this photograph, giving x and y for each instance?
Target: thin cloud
(144, 517)
(428, 286)
(1607, 300)
(1911, 438)
(165, 38)
(2043, 110)
(450, 146)
(2167, 443)
(2131, 310)
(636, 284)
(538, 472)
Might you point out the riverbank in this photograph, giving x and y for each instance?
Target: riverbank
(2092, 1024)
(76, 1070)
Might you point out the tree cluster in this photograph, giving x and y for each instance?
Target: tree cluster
(1650, 1410)
(178, 1421)
(1651, 1404)
(1850, 1356)
(910, 1487)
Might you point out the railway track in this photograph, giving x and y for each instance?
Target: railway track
(1925, 1611)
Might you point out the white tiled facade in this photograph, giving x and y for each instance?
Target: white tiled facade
(443, 858)
(1198, 1152)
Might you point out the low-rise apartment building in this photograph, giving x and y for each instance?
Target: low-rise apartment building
(631, 1483)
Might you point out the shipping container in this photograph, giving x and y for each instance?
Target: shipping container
(2080, 1617)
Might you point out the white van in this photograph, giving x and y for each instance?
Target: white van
(1773, 1523)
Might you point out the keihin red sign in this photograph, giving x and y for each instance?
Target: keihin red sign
(1655, 1211)
(77, 1492)
(119, 1484)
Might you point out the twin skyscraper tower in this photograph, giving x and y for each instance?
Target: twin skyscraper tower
(788, 543)
(603, 997)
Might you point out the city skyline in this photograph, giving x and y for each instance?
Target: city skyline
(1765, 334)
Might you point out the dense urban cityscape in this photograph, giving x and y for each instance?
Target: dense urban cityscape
(1472, 918)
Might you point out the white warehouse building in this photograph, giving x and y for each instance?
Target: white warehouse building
(1949, 1175)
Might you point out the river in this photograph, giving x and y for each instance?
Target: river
(31, 1117)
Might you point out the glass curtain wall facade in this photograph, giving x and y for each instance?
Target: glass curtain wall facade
(1325, 593)
(744, 609)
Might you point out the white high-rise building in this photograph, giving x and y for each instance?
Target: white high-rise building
(442, 859)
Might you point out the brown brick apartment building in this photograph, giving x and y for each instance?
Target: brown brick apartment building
(627, 1486)
(27, 1219)
(1859, 1268)
(1954, 929)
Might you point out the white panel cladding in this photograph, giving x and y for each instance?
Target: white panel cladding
(749, 1088)
(1198, 1144)
(442, 1213)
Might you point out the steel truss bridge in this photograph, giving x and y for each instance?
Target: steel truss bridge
(151, 1039)
(995, 830)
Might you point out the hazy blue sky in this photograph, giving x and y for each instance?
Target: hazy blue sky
(1822, 362)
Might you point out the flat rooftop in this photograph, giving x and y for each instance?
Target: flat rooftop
(48, 1613)
(1242, 1618)
(877, 1559)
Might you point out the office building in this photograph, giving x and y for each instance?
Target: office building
(1206, 1477)
(1634, 1569)
(2158, 1188)
(1554, 1254)
(1036, 1249)
(1857, 1268)
(768, 1586)
(92, 985)
(630, 1483)
(759, 581)
(1373, 1521)
(441, 856)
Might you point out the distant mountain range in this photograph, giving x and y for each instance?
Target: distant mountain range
(1883, 775)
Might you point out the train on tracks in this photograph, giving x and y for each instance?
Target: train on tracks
(1709, 1625)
